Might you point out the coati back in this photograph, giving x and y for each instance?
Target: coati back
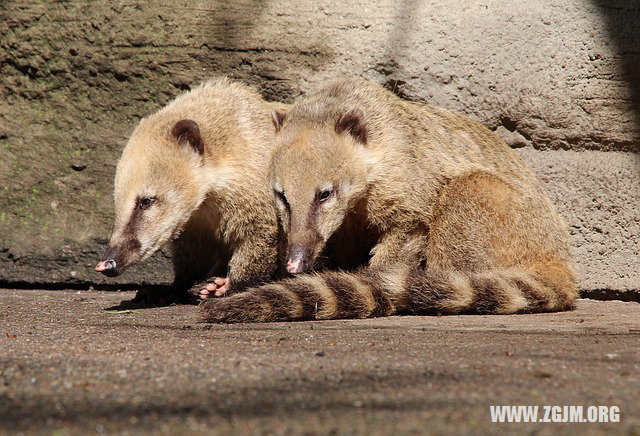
(463, 225)
(195, 173)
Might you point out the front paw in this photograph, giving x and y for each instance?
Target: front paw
(213, 287)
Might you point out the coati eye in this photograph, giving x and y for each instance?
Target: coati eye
(146, 202)
(324, 195)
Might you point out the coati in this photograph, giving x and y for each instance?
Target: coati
(462, 224)
(195, 173)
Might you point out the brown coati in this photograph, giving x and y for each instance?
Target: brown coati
(462, 223)
(195, 173)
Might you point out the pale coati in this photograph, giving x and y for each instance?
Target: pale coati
(195, 172)
(463, 225)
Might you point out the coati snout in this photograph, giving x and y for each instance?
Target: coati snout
(304, 238)
(118, 257)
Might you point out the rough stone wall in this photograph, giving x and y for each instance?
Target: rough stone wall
(557, 79)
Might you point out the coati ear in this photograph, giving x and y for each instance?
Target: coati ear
(353, 122)
(188, 132)
(278, 118)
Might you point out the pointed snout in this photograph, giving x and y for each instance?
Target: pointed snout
(108, 265)
(298, 260)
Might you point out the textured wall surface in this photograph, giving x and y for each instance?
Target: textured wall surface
(557, 79)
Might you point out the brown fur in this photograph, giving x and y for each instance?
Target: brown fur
(203, 159)
(463, 224)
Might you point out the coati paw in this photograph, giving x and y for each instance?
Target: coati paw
(216, 287)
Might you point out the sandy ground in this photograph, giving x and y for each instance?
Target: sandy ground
(68, 365)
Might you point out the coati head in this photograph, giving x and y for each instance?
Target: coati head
(318, 173)
(157, 188)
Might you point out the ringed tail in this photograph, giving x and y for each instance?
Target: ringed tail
(367, 293)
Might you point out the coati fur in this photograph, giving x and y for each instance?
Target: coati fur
(195, 173)
(462, 223)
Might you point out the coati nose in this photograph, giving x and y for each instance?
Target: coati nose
(294, 266)
(298, 260)
(108, 267)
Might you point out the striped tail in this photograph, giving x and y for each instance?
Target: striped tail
(334, 295)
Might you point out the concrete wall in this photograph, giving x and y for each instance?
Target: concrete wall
(557, 79)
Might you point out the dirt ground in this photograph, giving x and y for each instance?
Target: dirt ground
(69, 365)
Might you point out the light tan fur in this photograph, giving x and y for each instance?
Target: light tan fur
(463, 224)
(215, 206)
